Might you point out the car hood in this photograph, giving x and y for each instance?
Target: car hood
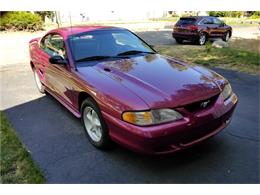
(161, 81)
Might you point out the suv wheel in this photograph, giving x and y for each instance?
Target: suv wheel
(226, 36)
(94, 124)
(202, 39)
(179, 40)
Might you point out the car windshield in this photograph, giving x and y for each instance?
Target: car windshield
(186, 21)
(105, 44)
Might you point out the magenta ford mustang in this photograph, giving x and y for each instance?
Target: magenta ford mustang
(126, 92)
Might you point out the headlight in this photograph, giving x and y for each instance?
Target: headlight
(227, 91)
(151, 117)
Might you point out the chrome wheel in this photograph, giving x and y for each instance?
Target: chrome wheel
(38, 81)
(202, 39)
(92, 124)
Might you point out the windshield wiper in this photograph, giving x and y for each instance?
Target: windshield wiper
(133, 52)
(93, 58)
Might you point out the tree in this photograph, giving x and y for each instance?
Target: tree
(43, 14)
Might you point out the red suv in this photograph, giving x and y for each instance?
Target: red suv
(200, 28)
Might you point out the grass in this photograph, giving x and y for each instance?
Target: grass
(242, 55)
(16, 164)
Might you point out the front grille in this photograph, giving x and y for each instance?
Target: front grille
(200, 105)
(201, 131)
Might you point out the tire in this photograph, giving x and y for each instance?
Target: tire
(38, 82)
(179, 40)
(202, 38)
(94, 124)
(227, 36)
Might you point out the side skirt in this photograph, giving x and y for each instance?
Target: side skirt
(64, 103)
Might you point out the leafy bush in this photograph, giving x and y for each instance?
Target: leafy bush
(236, 14)
(208, 46)
(216, 13)
(255, 15)
(43, 14)
(21, 21)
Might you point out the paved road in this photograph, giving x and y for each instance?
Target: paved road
(59, 146)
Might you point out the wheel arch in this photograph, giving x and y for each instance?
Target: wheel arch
(32, 65)
(81, 97)
(206, 33)
(230, 32)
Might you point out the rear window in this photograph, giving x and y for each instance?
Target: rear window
(186, 21)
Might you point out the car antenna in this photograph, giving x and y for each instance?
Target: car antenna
(72, 45)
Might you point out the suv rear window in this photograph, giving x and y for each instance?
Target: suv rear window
(186, 21)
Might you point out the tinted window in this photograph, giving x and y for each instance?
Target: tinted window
(109, 42)
(217, 21)
(186, 21)
(207, 21)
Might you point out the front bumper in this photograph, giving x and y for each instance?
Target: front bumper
(174, 136)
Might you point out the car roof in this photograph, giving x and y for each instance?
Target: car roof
(72, 30)
(197, 17)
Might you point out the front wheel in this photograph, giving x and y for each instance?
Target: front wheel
(202, 39)
(226, 36)
(38, 82)
(94, 124)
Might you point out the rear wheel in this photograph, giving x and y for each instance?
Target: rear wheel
(38, 82)
(94, 124)
(202, 38)
(179, 40)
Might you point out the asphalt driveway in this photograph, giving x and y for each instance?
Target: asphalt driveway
(59, 146)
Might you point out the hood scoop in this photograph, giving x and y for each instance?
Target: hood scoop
(107, 69)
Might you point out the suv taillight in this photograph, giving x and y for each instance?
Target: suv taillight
(193, 27)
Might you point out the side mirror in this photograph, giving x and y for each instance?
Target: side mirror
(57, 60)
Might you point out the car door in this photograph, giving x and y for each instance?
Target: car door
(47, 51)
(42, 60)
(58, 75)
(220, 27)
(209, 26)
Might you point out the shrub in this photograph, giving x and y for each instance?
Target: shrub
(236, 14)
(208, 47)
(217, 13)
(255, 15)
(21, 21)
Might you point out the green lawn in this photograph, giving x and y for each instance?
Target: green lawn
(241, 55)
(16, 164)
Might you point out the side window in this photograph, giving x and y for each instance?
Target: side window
(217, 21)
(208, 21)
(57, 45)
(53, 44)
(45, 42)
